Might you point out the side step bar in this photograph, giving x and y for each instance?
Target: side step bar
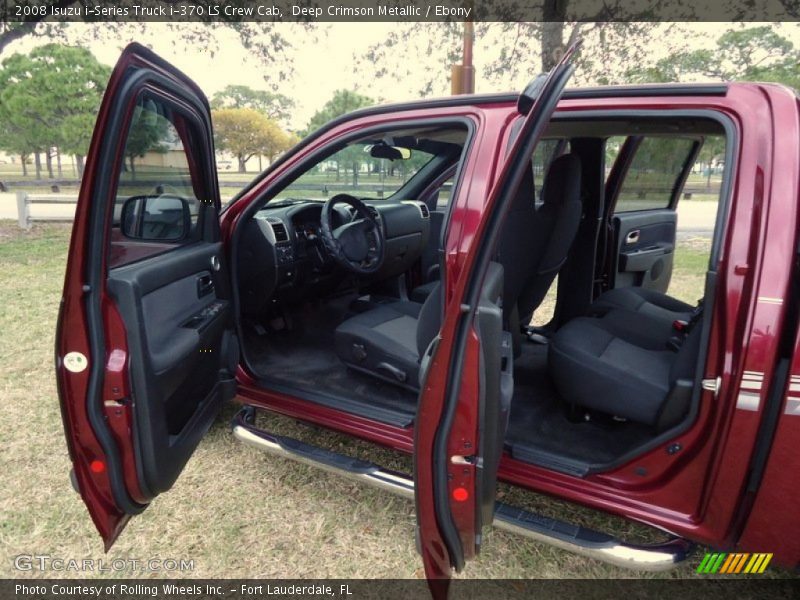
(574, 538)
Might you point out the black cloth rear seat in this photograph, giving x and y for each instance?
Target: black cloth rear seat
(657, 307)
(621, 364)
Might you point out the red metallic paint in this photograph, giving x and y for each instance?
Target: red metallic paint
(695, 491)
(117, 398)
(778, 489)
(463, 441)
(71, 336)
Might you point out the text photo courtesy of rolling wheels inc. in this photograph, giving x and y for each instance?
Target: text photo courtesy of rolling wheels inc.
(398, 300)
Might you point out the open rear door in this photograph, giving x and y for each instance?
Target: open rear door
(145, 353)
(463, 411)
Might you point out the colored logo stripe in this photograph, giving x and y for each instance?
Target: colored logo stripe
(734, 563)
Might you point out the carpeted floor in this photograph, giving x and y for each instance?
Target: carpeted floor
(302, 356)
(540, 432)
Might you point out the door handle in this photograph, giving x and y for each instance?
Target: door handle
(632, 237)
(205, 285)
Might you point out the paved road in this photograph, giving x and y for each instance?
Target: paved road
(695, 218)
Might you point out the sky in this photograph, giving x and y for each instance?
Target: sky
(325, 65)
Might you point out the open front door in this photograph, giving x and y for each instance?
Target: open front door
(145, 353)
(463, 411)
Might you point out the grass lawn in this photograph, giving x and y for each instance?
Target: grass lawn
(235, 512)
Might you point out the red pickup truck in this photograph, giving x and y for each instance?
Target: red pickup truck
(380, 279)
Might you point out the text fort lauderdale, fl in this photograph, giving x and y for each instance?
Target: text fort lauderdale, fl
(172, 590)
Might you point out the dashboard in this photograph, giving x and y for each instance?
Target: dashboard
(282, 258)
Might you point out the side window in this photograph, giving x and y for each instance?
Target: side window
(156, 207)
(654, 172)
(441, 196)
(613, 146)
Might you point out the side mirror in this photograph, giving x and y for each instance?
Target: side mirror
(164, 218)
(531, 92)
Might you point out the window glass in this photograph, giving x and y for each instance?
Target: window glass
(544, 153)
(697, 217)
(442, 195)
(653, 173)
(156, 206)
(613, 146)
(354, 170)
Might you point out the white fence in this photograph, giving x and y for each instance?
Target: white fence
(54, 210)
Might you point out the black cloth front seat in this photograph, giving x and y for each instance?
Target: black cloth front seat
(429, 261)
(389, 341)
(553, 228)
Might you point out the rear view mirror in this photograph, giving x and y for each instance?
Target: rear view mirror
(389, 152)
(164, 218)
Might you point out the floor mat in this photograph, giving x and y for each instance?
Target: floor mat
(539, 431)
(302, 357)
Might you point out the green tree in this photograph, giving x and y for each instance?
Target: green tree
(49, 99)
(758, 53)
(424, 52)
(246, 133)
(262, 41)
(275, 106)
(148, 132)
(342, 102)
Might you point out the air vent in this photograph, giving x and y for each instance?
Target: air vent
(279, 229)
(421, 206)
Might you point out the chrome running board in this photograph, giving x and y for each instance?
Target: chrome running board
(573, 538)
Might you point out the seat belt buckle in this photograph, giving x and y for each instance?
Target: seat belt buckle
(674, 343)
(680, 326)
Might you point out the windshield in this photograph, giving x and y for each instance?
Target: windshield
(356, 171)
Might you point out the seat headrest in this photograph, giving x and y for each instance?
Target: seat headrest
(560, 181)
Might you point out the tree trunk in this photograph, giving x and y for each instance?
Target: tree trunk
(133, 168)
(260, 166)
(242, 167)
(79, 164)
(355, 175)
(37, 160)
(23, 161)
(58, 163)
(48, 159)
(554, 15)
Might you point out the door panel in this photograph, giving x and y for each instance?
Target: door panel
(496, 390)
(644, 245)
(178, 343)
(145, 353)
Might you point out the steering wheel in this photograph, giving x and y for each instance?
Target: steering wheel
(358, 245)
